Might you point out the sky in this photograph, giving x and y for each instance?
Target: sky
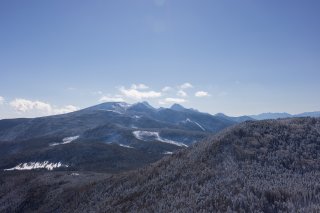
(236, 57)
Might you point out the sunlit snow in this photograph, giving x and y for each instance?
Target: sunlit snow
(114, 111)
(149, 136)
(196, 123)
(126, 146)
(66, 140)
(75, 174)
(168, 153)
(37, 165)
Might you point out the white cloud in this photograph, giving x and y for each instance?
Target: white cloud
(66, 109)
(139, 86)
(172, 100)
(111, 99)
(97, 92)
(182, 93)
(71, 88)
(201, 94)
(24, 105)
(166, 89)
(1, 100)
(138, 95)
(186, 86)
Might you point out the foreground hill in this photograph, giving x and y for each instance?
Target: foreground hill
(256, 166)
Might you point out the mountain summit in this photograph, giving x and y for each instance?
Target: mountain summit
(111, 106)
(177, 107)
(141, 107)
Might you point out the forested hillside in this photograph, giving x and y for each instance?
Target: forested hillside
(268, 166)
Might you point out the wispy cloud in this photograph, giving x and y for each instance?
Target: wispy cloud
(116, 98)
(66, 109)
(166, 89)
(201, 94)
(1, 100)
(97, 92)
(186, 86)
(139, 86)
(135, 93)
(71, 88)
(182, 93)
(172, 100)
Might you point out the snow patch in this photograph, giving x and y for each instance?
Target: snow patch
(75, 174)
(66, 140)
(124, 105)
(114, 111)
(196, 123)
(37, 165)
(168, 153)
(149, 136)
(136, 117)
(199, 126)
(126, 146)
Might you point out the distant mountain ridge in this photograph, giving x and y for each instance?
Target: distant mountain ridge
(270, 115)
(237, 119)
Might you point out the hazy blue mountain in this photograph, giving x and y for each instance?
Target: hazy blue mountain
(270, 115)
(308, 114)
(177, 107)
(235, 119)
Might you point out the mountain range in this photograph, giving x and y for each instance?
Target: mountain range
(111, 137)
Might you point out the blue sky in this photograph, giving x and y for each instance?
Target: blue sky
(237, 57)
